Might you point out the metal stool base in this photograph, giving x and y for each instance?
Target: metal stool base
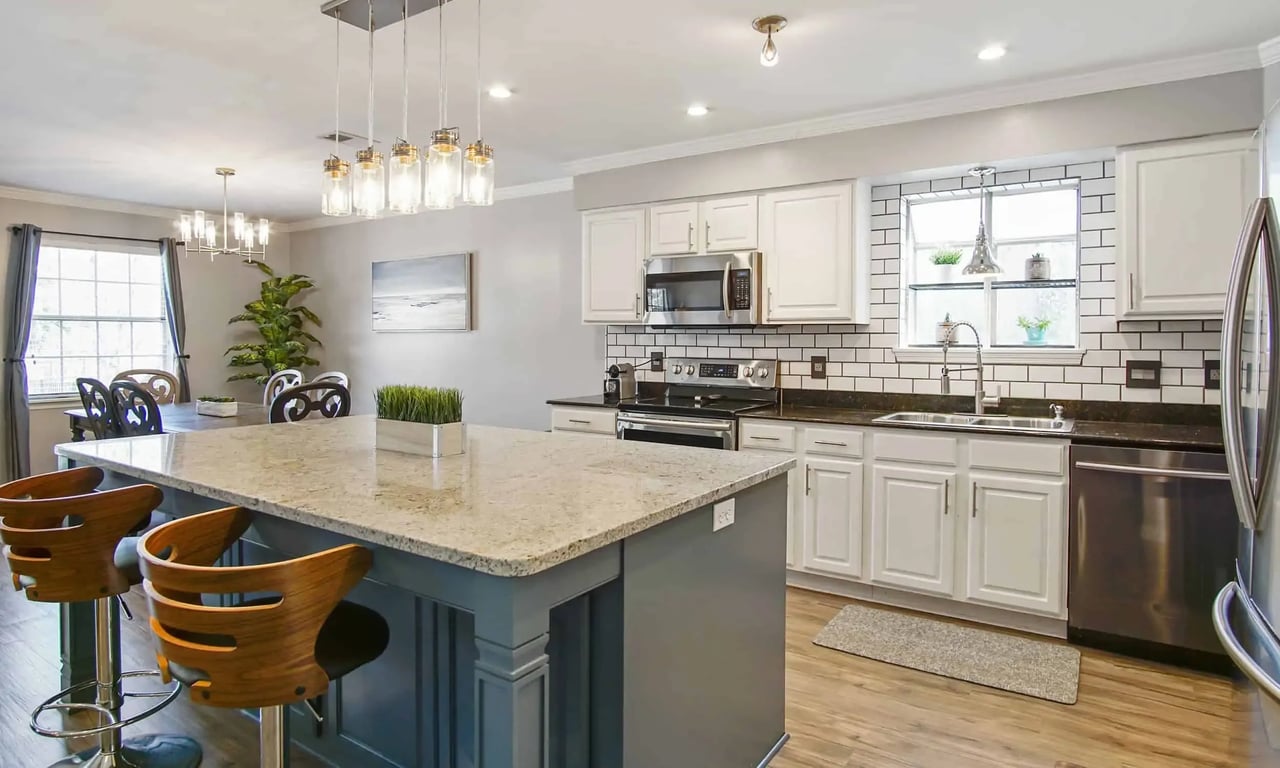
(151, 751)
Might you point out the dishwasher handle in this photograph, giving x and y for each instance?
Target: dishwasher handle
(1130, 469)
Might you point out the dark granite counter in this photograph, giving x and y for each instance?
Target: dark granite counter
(586, 401)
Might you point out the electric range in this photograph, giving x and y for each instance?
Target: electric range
(702, 402)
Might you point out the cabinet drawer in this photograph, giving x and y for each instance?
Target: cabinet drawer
(916, 448)
(595, 420)
(769, 436)
(833, 442)
(1049, 457)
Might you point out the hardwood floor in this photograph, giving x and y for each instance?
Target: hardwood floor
(843, 711)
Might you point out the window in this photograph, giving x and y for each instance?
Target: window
(99, 309)
(1011, 312)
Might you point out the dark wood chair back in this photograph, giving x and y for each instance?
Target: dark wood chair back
(327, 398)
(62, 535)
(99, 407)
(137, 412)
(260, 654)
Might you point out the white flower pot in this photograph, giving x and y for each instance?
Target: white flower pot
(212, 408)
(434, 440)
(943, 331)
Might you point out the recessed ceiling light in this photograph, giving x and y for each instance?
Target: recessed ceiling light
(992, 52)
(499, 92)
(697, 110)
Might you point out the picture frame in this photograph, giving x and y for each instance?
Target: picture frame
(422, 294)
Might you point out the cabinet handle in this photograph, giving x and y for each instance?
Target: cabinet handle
(762, 437)
(808, 474)
(830, 442)
(1130, 291)
(579, 421)
(770, 299)
(946, 496)
(975, 499)
(691, 237)
(708, 235)
(637, 305)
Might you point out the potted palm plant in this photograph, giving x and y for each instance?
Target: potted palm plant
(284, 341)
(426, 421)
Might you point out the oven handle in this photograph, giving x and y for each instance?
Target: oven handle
(724, 290)
(646, 421)
(1191, 474)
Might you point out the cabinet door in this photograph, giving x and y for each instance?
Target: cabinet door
(807, 240)
(795, 525)
(1180, 208)
(1016, 542)
(613, 246)
(913, 529)
(833, 516)
(730, 224)
(673, 229)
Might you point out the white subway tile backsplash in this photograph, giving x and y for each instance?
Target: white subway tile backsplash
(915, 188)
(1086, 170)
(1062, 391)
(1049, 173)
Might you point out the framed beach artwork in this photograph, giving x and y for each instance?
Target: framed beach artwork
(430, 293)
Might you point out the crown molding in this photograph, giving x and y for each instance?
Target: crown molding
(91, 203)
(1269, 52)
(533, 189)
(1131, 76)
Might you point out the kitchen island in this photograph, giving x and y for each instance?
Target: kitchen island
(553, 600)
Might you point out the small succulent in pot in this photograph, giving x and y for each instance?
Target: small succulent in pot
(216, 399)
(221, 406)
(421, 420)
(946, 257)
(1035, 328)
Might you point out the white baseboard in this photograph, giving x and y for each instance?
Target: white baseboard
(981, 614)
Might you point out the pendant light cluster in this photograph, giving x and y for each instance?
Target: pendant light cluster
(409, 183)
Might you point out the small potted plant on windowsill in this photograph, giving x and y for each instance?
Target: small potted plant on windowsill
(220, 406)
(945, 263)
(426, 421)
(1035, 329)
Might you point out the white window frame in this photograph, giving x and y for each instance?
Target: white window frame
(87, 243)
(964, 350)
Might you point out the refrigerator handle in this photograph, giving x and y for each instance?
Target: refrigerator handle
(1242, 485)
(1258, 629)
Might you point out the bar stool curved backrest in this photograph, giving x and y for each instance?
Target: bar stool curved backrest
(137, 411)
(279, 382)
(162, 385)
(337, 377)
(98, 407)
(61, 538)
(266, 652)
(326, 398)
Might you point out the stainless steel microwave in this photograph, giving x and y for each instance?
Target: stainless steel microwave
(720, 289)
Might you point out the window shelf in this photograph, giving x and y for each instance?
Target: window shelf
(998, 285)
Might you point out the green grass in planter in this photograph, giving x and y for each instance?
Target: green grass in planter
(216, 399)
(421, 405)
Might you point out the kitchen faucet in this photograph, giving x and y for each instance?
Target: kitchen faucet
(981, 399)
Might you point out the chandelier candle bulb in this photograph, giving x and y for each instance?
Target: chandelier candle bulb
(264, 231)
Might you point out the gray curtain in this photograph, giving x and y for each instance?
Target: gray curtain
(177, 315)
(20, 292)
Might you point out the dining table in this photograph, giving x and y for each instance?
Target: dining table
(181, 417)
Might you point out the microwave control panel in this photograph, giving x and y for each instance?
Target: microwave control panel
(740, 289)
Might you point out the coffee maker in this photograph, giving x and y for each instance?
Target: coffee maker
(620, 382)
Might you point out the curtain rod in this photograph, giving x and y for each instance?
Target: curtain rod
(16, 229)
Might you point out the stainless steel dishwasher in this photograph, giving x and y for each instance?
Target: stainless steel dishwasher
(1153, 539)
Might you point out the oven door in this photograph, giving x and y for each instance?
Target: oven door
(679, 430)
(723, 289)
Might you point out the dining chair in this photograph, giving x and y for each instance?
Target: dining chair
(137, 412)
(162, 385)
(329, 399)
(278, 382)
(99, 408)
(335, 376)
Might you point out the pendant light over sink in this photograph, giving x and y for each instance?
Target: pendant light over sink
(982, 264)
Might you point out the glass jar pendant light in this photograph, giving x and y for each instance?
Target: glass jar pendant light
(370, 183)
(444, 155)
(478, 169)
(404, 175)
(335, 189)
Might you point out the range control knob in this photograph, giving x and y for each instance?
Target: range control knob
(677, 369)
(746, 371)
(762, 373)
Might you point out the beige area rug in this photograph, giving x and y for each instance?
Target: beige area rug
(1038, 668)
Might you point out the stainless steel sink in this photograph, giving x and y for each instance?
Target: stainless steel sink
(993, 422)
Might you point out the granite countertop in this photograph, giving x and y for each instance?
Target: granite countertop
(518, 502)
(1098, 432)
(588, 401)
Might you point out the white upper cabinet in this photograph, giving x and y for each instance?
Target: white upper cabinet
(710, 226)
(1017, 538)
(807, 239)
(1180, 207)
(673, 229)
(730, 224)
(613, 250)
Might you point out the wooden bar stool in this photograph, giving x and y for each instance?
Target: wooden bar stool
(67, 543)
(266, 652)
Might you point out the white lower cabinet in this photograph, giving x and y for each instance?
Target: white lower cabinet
(833, 516)
(913, 528)
(1016, 540)
(591, 422)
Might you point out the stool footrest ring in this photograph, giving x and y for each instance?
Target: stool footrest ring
(113, 722)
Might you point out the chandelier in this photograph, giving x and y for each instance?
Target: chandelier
(241, 237)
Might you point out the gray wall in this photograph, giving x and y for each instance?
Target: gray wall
(528, 342)
(1271, 85)
(213, 291)
(1151, 113)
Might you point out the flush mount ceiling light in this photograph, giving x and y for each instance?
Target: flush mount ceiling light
(199, 232)
(767, 26)
(499, 92)
(982, 264)
(697, 110)
(992, 52)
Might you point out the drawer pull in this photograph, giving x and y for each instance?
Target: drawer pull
(761, 437)
(831, 442)
(579, 421)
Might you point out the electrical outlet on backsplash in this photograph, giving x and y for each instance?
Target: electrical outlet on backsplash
(860, 358)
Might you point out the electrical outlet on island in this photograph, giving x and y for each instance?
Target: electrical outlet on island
(722, 515)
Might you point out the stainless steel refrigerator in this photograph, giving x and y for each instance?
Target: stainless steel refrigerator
(1246, 613)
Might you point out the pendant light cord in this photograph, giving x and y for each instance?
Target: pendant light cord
(337, 78)
(404, 126)
(444, 80)
(479, 61)
(370, 74)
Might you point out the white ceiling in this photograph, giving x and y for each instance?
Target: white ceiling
(141, 101)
